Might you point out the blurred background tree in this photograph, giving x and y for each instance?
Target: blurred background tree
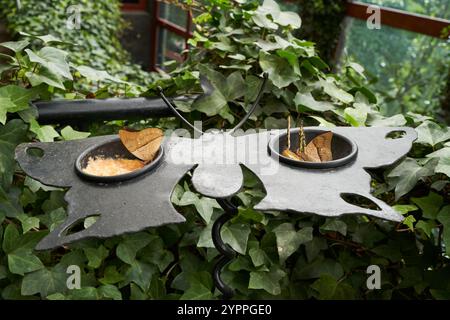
(406, 68)
(408, 71)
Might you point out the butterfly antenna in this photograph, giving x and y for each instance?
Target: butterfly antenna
(255, 104)
(175, 111)
(301, 138)
(289, 132)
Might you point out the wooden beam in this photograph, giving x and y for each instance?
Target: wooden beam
(174, 28)
(141, 5)
(400, 19)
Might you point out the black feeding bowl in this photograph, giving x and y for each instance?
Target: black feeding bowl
(112, 149)
(344, 150)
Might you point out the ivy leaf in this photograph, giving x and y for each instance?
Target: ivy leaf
(356, 116)
(3, 272)
(391, 250)
(431, 133)
(44, 75)
(205, 207)
(13, 99)
(443, 166)
(289, 240)
(68, 133)
(441, 153)
(205, 239)
(268, 281)
(444, 218)
(267, 46)
(111, 275)
(429, 204)
(274, 123)
(236, 235)
(22, 261)
(140, 273)
(288, 18)
(15, 46)
(307, 100)
(409, 222)
(48, 38)
(274, 106)
(283, 18)
(97, 75)
(258, 256)
(426, 226)
(57, 217)
(28, 222)
(253, 84)
(197, 291)
(279, 70)
(96, 256)
(86, 293)
(44, 133)
(407, 174)
(404, 208)
(45, 282)
(35, 185)
(318, 267)
(326, 286)
(358, 68)
(156, 254)
(334, 225)
(261, 20)
(53, 59)
(109, 291)
(226, 113)
(56, 296)
(127, 249)
(292, 58)
(323, 122)
(377, 120)
(10, 238)
(210, 104)
(440, 294)
(235, 86)
(334, 91)
(188, 198)
(9, 203)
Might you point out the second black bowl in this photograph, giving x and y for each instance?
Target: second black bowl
(344, 150)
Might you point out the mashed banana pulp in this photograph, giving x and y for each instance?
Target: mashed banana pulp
(104, 167)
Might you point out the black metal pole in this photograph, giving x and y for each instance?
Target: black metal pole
(227, 253)
(62, 111)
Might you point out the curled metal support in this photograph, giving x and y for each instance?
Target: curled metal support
(255, 103)
(175, 111)
(227, 253)
(208, 88)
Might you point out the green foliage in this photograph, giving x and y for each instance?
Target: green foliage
(322, 24)
(281, 255)
(95, 43)
(409, 71)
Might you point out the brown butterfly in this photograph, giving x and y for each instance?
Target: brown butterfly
(317, 150)
(142, 144)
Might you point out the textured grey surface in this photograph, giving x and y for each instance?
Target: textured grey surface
(319, 191)
(145, 201)
(129, 206)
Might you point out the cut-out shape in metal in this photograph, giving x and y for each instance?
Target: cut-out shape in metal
(144, 201)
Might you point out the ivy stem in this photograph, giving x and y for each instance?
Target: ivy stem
(35, 67)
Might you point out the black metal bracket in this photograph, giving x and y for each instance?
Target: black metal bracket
(226, 252)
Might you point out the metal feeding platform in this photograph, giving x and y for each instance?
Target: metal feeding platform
(141, 199)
